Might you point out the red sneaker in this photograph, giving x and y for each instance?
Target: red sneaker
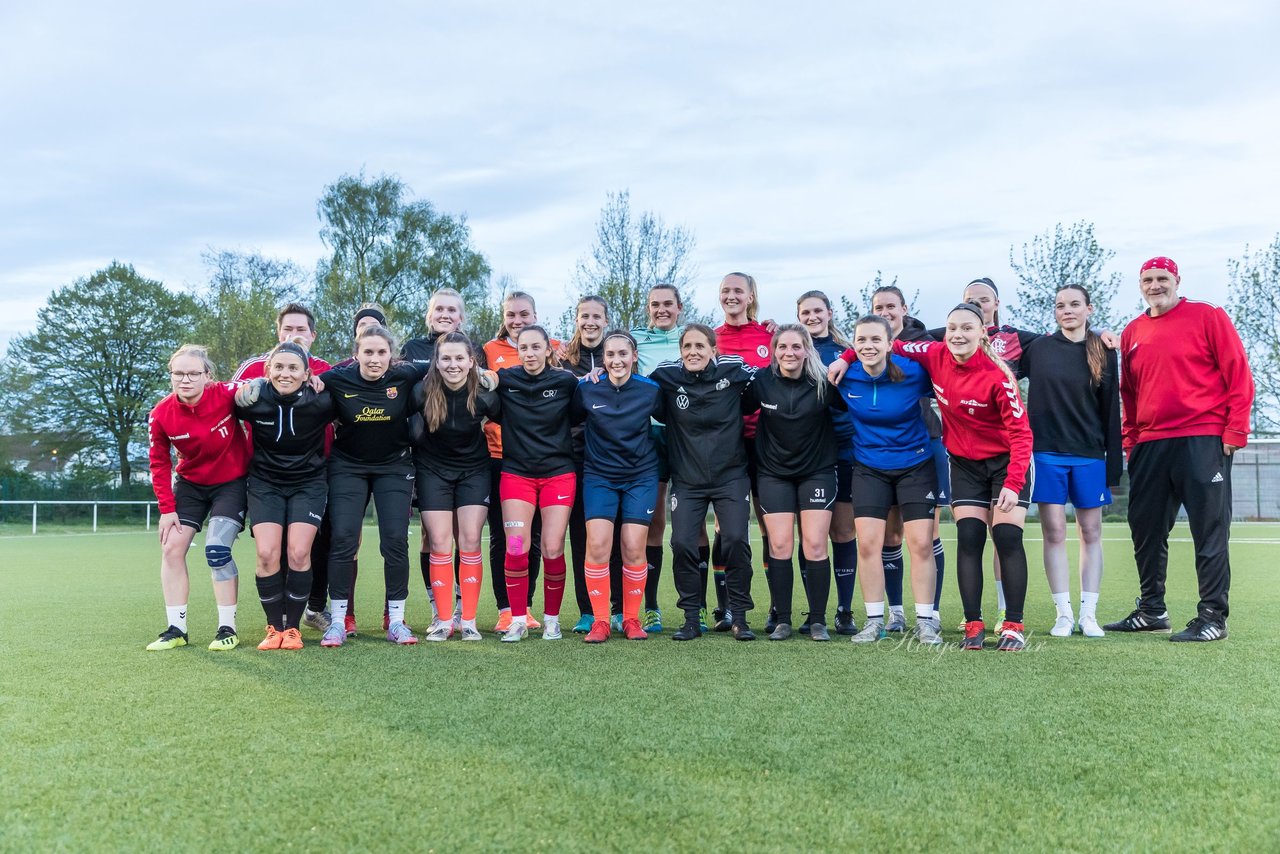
(349, 623)
(1012, 638)
(975, 635)
(599, 632)
(633, 631)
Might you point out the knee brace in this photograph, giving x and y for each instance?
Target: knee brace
(971, 536)
(1007, 538)
(217, 547)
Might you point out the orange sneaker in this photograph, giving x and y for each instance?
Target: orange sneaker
(599, 632)
(504, 621)
(633, 631)
(291, 639)
(531, 622)
(272, 640)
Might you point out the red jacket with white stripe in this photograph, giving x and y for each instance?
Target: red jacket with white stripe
(1184, 373)
(982, 414)
(212, 445)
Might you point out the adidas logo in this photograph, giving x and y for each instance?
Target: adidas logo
(594, 592)
(635, 592)
(1102, 497)
(681, 390)
(1217, 478)
(929, 496)
(437, 584)
(470, 579)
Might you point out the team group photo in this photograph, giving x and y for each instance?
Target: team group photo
(663, 428)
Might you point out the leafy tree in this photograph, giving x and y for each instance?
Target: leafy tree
(98, 360)
(1067, 255)
(846, 312)
(237, 308)
(1253, 301)
(389, 249)
(631, 254)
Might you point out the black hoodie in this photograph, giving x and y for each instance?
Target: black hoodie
(288, 433)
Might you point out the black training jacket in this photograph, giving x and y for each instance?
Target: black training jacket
(457, 446)
(704, 419)
(373, 417)
(288, 433)
(535, 421)
(795, 436)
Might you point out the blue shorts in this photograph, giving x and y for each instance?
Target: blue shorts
(943, 469)
(602, 498)
(1080, 479)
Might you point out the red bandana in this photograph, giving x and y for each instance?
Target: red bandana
(1163, 263)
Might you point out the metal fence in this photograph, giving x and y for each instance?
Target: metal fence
(1255, 480)
(36, 505)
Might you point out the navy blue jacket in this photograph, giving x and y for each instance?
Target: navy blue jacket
(889, 432)
(619, 444)
(828, 352)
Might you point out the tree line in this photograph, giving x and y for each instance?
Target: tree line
(88, 374)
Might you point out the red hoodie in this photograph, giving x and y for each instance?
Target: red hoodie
(1184, 373)
(982, 414)
(751, 341)
(212, 445)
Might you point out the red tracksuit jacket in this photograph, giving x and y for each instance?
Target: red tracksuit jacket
(212, 445)
(1184, 373)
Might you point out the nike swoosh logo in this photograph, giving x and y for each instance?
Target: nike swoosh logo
(599, 405)
(650, 512)
(357, 394)
(561, 497)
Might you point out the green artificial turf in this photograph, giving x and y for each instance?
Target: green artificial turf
(1119, 744)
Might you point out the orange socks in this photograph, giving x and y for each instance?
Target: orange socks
(633, 578)
(598, 590)
(471, 573)
(441, 570)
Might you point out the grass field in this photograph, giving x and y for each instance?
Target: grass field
(1120, 744)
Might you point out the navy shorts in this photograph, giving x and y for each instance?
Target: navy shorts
(603, 498)
(942, 470)
(1059, 479)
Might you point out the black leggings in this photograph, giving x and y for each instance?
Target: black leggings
(971, 536)
(498, 543)
(349, 489)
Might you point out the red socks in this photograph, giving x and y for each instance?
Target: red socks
(517, 570)
(552, 585)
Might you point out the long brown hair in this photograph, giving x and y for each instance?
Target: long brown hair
(573, 350)
(553, 360)
(1095, 350)
(893, 373)
(436, 409)
(832, 330)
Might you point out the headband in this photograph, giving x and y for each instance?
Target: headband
(296, 349)
(1162, 263)
(968, 306)
(369, 312)
(985, 281)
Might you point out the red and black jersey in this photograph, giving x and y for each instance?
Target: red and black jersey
(1185, 373)
(982, 414)
(211, 444)
(750, 342)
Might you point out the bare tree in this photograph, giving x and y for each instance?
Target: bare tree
(1067, 255)
(631, 254)
(1253, 301)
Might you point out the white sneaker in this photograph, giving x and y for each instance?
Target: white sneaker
(441, 631)
(550, 629)
(1089, 628)
(519, 631)
(471, 633)
(457, 617)
(1063, 626)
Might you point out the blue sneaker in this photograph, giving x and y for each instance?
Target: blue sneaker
(652, 620)
(702, 620)
(583, 625)
(615, 623)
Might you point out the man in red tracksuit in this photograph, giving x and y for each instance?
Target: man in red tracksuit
(1186, 395)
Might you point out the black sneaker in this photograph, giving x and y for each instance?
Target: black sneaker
(1202, 629)
(1141, 621)
(722, 622)
(772, 622)
(742, 632)
(689, 631)
(845, 624)
(808, 621)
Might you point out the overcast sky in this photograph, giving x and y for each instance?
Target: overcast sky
(807, 143)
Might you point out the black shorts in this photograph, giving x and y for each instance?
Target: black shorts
(450, 491)
(813, 491)
(914, 491)
(977, 483)
(195, 502)
(287, 504)
(844, 481)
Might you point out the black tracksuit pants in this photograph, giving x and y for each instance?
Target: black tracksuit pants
(732, 503)
(1190, 471)
(350, 486)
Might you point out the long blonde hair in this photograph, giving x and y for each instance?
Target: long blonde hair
(813, 367)
(832, 329)
(754, 308)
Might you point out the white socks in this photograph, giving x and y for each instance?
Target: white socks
(1062, 601)
(924, 611)
(177, 615)
(875, 610)
(1088, 605)
(395, 611)
(338, 610)
(226, 616)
